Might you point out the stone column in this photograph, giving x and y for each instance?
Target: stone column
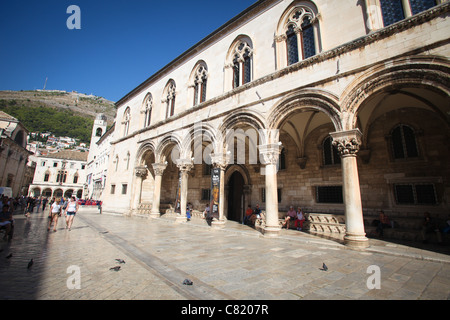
(220, 161)
(141, 174)
(347, 143)
(158, 169)
(270, 154)
(184, 165)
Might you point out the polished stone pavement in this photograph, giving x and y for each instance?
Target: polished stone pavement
(235, 262)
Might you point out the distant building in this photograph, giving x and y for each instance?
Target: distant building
(99, 152)
(13, 154)
(59, 174)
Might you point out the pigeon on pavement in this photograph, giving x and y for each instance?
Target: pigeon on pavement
(30, 264)
(116, 268)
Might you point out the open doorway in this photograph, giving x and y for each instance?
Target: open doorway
(236, 197)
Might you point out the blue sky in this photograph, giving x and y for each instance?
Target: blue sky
(120, 43)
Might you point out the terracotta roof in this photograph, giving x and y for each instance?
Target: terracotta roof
(68, 155)
(5, 116)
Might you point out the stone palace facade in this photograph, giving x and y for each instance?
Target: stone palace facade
(333, 106)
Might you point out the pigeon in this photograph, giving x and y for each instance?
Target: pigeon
(30, 264)
(187, 282)
(324, 267)
(9, 256)
(116, 268)
(120, 261)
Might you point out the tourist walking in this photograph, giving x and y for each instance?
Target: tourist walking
(55, 212)
(71, 210)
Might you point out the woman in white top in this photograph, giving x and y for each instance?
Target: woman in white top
(71, 210)
(55, 212)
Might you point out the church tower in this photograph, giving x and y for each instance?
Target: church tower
(98, 131)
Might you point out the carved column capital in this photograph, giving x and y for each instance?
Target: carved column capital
(185, 165)
(220, 160)
(270, 153)
(141, 172)
(159, 168)
(348, 142)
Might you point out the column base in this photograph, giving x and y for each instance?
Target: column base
(271, 232)
(356, 240)
(218, 224)
(154, 215)
(180, 218)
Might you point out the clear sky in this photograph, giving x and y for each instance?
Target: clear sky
(120, 43)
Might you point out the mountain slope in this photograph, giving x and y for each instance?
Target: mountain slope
(62, 113)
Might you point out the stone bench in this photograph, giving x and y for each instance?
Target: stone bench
(325, 223)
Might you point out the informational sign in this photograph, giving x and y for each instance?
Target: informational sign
(215, 192)
(178, 199)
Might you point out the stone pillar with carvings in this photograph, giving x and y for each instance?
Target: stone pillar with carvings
(269, 156)
(141, 174)
(348, 143)
(220, 161)
(158, 169)
(184, 165)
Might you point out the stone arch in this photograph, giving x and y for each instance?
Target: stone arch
(196, 138)
(429, 73)
(306, 99)
(300, 113)
(143, 149)
(163, 148)
(244, 118)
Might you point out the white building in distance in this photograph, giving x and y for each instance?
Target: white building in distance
(59, 174)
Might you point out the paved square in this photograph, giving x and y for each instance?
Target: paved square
(232, 263)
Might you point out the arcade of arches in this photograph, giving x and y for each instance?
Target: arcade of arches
(365, 151)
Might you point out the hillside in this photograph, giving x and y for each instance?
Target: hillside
(62, 113)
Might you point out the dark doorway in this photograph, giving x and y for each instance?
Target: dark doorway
(236, 197)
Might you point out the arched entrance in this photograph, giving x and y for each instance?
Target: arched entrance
(236, 199)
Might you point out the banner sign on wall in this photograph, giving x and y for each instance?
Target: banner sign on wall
(178, 199)
(215, 192)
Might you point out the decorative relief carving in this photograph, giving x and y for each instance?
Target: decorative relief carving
(141, 172)
(270, 153)
(347, 142)
(185, 165)
(159, 168)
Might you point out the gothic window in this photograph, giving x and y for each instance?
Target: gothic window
(126, 121)
(308, 45)
(297, 31)
(61, 177)
(46, 176)
(330, 154)
(127, 160)
(242, 63)
(169, 98)
(292, 45)
(200, 82)
(98, 132)
(117, 162)
(147, 109)
(75, 178)
(392, 11)
(421, 5)
(404, 144)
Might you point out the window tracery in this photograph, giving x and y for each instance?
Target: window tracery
(147, 109)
